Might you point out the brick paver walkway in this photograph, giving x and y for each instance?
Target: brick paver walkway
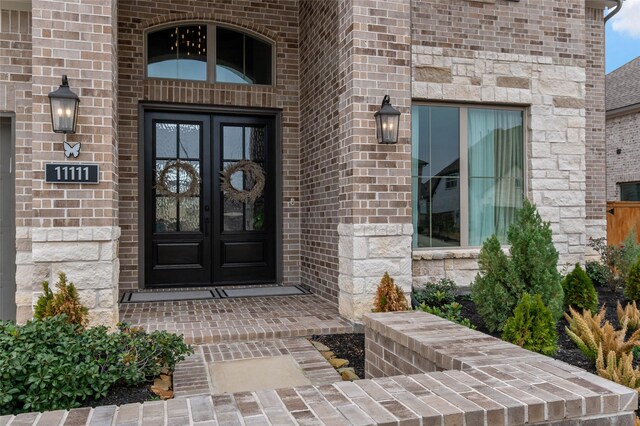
(191, 376)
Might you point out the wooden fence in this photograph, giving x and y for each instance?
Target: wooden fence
(622, 218)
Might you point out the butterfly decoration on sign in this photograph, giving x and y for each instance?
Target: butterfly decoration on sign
(70, 150)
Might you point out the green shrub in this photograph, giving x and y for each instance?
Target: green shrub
(579, 291)
(51, 364)
(496, 289)
(599, 273)
(535, 258)
(632, 285)
(532, 326)
(450, 311)
(618, 259)
(439, 293)
(66, 301)
(532, 268)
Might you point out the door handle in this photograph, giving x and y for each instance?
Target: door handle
(206, 227)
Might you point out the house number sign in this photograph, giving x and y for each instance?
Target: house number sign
(71, 173)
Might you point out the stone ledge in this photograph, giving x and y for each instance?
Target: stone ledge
(439, 254)
(72, 234)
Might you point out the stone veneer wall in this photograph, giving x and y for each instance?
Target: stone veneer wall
(275, 20)
(375, 180)
(596, 153)
(89, 258)
(15, 97)
(319, 147)
(622, 133)
(528, 54)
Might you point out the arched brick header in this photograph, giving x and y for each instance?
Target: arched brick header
(239, 24)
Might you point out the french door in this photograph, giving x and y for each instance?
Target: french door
(209, 210)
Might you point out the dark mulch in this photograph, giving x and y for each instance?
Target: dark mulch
(346, 346)
(121, 395)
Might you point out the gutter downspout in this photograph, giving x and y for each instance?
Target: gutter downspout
(615, 11)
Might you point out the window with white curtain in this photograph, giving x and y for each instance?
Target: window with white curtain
(468, 173)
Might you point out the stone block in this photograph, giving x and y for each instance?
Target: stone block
(567, 102)
(433, 74)
(389, 247)
(106, 317)
(65, 251)
(514, 82)
(88, 275)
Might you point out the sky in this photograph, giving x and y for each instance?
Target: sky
(623, 36)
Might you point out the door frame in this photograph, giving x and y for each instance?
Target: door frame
(12, 155)
(275, 114)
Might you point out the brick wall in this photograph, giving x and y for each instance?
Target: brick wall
(320, 86)
(623, 133)
(375, 179)
(539, 28)
(276, 20)
(76, 40)
(596, 196)
(489, 381)
(15, 97)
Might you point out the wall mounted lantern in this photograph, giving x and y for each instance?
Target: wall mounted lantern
(387, 121)
(64, 108)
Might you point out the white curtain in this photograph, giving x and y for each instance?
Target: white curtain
(495, 172)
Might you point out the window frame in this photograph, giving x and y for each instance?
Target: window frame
(463, 130)
(620, 185)
(211, 51)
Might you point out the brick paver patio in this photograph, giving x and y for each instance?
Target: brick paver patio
(239, 319)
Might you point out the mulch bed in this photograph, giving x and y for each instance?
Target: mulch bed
(351, 346)
(120, 395)
(567, 350)
(346, 346)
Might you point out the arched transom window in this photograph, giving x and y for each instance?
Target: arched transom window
(205, 52)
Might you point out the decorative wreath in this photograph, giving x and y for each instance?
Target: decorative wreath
(174, 168)
(255, 174)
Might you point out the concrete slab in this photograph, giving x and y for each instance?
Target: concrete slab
(256, 374)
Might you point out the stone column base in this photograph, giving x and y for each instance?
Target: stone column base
(89, 258)
(366, 252)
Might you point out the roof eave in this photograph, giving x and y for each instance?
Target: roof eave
(600, 4)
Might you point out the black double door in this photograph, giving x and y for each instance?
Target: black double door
(196, 232)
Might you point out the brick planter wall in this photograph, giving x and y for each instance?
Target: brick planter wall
(488, 381)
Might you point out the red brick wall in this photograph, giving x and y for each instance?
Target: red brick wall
(541, 27)
(276, 20)
(320, 87)
(596, 196)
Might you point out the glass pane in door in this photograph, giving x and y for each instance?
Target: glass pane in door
(178, 177)
(243, 143)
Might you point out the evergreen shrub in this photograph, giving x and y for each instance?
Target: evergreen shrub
(389, 297)
(532, 268)
(532, 326)
(632, 285)
(579, 291)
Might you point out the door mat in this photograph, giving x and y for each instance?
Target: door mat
(168, 296)
(263, 291)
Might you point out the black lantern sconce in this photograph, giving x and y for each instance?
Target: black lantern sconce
(387, 122)
(64, 108)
